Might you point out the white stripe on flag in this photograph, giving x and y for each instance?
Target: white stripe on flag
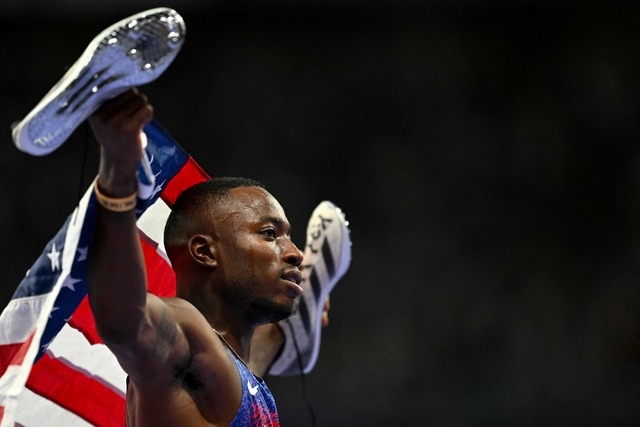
(49, 414)
(95, 360)
(19, 317)
(151, 224)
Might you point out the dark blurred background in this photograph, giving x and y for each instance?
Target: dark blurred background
(485, 153)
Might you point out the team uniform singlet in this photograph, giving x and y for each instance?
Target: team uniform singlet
(258, 408)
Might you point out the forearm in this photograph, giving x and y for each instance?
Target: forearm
(116, 275)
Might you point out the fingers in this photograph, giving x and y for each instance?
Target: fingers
(117, 126)
(325, 312)
(129, 110)
(325, 319)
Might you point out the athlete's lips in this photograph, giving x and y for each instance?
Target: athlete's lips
(294, 276)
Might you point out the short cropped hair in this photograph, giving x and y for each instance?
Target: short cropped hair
(200, 197)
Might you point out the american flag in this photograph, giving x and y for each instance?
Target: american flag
(54, 368)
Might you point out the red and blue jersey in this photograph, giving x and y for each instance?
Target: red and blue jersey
(258, 407)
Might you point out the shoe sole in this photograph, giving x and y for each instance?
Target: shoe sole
(132, 52)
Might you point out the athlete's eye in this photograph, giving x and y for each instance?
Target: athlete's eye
(269, 232)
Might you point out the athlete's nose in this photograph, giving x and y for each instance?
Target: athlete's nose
(292, 255)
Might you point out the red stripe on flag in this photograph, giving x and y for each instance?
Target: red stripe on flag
(77, 392)
(83, 320)
(191, 173)
(13, 354)
(161, 278)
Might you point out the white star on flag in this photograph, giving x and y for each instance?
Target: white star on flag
(54, 256)
(69, 282)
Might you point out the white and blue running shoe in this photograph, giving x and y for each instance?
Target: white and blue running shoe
(130, 53)
(327, 256)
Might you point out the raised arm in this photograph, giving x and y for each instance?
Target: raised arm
(137, 327)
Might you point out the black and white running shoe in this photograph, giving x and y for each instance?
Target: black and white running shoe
(327, 257)
(130, 53)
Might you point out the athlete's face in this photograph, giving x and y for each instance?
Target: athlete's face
(256, 258)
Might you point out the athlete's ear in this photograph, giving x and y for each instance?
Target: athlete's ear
(202, 250)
